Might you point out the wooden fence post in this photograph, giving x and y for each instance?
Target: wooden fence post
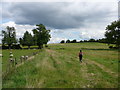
(22, 58)
(10, 61)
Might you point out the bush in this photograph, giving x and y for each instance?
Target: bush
(5, 47)
(110, 47)
(16, 47)
(46, 45)
(62, 41)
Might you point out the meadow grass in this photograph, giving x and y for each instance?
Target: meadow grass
(16, 54)
(0, 70)
(59, 67)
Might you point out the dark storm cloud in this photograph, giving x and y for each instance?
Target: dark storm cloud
(59, 15)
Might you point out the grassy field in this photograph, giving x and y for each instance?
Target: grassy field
(16, 54)
(0, 70)
(59, 67)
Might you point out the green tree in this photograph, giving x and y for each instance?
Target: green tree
(41, 35)
(9, 36)
(27, 39)
(103, 40)
(113, 33)
(92, 40)
(68, 41)
(63, 41)
(74, 41)
(21, 41)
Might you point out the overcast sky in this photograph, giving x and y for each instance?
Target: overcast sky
(66, 20)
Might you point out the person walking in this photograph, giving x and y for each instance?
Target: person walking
(80, 55)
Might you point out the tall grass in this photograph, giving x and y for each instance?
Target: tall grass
(59, 67)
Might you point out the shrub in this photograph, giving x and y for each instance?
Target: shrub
(5, 47)
(16, 46)
(110, 47)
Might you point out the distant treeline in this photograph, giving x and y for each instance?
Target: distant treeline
(112, 36)
(103, 40)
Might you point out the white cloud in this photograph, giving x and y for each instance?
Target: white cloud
(95, 35)
(59, 0)
(10, 23)
(20, 29)
(56, 40)
(57, 35)
(79, 20)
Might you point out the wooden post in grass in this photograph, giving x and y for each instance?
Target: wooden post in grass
(11, 61)
(21, 58)
(26, 57)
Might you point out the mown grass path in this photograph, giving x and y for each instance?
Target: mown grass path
(60, 68)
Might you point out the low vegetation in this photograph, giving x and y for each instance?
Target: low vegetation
(16, 54)
(58, 66)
